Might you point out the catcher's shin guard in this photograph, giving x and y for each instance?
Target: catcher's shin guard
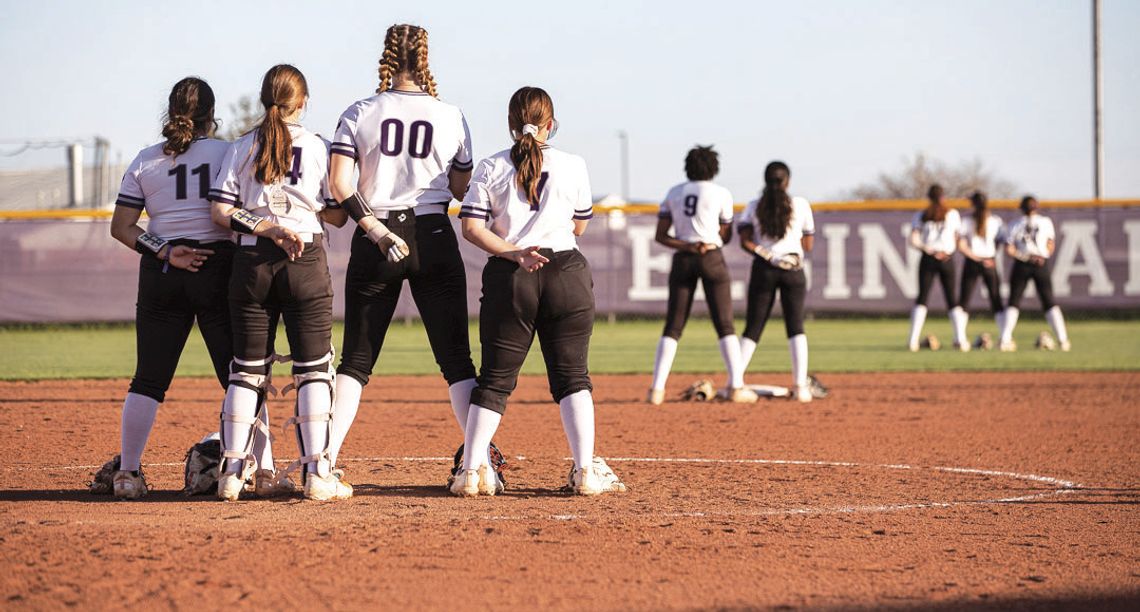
(313, 381)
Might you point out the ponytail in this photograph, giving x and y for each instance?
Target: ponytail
(283, 91)
(936, 210)
(529, 108)
(189, 112)
(775, 208)
(981, 213)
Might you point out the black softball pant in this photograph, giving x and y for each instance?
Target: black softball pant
(1019, 277)
(557, 304)
(433, 269)
(265, 285)
(169, 301)
(971, 272)
(765, 281)
(711, 270)
(930, 268)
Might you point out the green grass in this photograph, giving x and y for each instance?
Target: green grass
(837, 345)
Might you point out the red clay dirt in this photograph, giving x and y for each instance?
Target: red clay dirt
(844, 509)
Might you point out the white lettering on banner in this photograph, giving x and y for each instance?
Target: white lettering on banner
(1079, 237)
(1132, 230)
(642, 289)
(836, 236)
(877, 254)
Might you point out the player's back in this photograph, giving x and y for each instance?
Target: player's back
(173, 189)
(698, 208)
(404, 144)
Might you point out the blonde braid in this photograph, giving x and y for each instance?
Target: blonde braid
(390, 60)
(423, 74)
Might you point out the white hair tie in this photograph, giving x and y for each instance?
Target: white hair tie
(530, 129)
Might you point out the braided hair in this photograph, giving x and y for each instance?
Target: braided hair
(406, 52)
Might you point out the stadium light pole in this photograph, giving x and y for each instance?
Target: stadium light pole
(1098, 94)
(623, 138)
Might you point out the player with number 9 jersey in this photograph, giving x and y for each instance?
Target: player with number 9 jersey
(700, 214)
(413, 154)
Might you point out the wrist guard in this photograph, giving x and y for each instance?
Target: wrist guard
(356, 207)
(244, 222)
(149, 244)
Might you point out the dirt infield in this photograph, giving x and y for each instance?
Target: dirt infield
(902, 490)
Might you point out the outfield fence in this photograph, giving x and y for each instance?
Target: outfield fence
(60, 266)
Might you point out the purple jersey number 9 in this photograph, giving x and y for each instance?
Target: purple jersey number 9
(690, 205)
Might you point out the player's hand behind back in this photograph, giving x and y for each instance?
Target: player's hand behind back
(187, 258)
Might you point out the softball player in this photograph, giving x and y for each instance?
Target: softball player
(778, 230)
(700, 214)
(525, 207)
(413, 153)
(934, 231)
(1030, 242)
(978, 238)
(185, 265)
(272, 191)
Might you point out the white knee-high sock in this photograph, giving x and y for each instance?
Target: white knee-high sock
(348, 392)
(481, 427)
(917, 320)
(315, 399)
(137, 420)
(262, 446)
(959, 318)
(1057, 322)
(577, 410)
(1011, 314)
(666, 351)
(747, 349)
(241, 402)
(798, 347)
(730, 353)
(460, 394)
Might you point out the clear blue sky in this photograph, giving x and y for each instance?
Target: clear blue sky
(840, 89)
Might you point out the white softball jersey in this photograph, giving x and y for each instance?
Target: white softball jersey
(800, 224)
(293, 200)
(1031, 235)
(564, 196)
(697, 209)
(404, 144)
(938, 236)
(984, 246)
(174, 190)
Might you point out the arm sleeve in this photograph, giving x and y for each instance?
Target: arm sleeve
(477, 202)
(130, 191)
(344, 139)
(227, 189)
(584, 206)
(462, 159)
(809, 219)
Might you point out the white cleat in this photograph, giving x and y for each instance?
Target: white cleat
(489, 483)
(962, 347)
(128, 485)
(656, 397)
(586, 481)
(804, 394)
(230, 486)
(1066, 346)
(912, 348)
(270, 484)
(610, 481)
(326, 488)
(743, 395)
(466, 484)
(1008, 347)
